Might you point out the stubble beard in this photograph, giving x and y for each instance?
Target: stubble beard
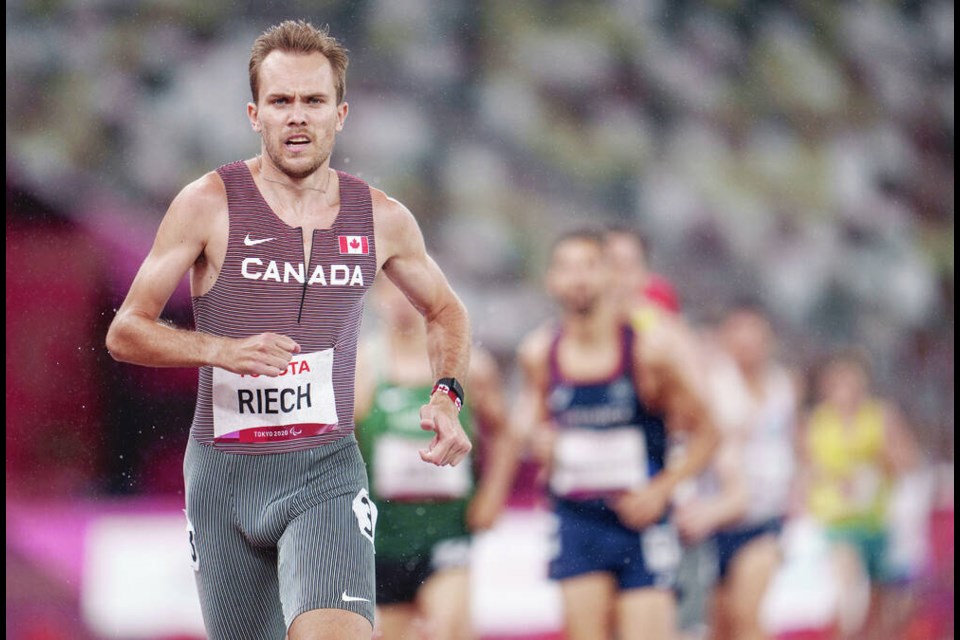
(295, 173)
(583, 307)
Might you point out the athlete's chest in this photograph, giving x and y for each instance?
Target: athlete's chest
(594, 405)
(284, 256)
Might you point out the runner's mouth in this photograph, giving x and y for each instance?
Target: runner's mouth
(297, 142)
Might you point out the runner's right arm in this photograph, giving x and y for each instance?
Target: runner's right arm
(666, 384)
(700, 517)
(531, 408)
(137, 335)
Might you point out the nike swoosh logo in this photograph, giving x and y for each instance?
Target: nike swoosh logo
(249, 242)
(347, 598)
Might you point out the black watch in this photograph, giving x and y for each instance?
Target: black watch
(452, 388)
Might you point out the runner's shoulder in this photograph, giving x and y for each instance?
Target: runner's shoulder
(387, 208)
(483, 367)
(535, 347)
(204, 198)
(396, 228)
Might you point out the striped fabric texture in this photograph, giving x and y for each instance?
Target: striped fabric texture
(289, 527)
(323, 315)
(276, 535)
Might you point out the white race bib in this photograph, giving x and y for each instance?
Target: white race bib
(296, 404)
(591, 462)
(400, 474)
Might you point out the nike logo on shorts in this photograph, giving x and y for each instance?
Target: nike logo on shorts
(250, 242)
(347, 598)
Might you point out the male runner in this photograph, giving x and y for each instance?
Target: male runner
(427, 513)
(281, 249)
(744, 507)
(641, 289)
(854, 447)
(602, 400)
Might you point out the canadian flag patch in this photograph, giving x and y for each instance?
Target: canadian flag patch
(354, 244)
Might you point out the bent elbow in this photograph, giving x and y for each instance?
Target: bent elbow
(115, 342)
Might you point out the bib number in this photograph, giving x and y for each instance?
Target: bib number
(400, 474)
(588, 462)
(298, 403)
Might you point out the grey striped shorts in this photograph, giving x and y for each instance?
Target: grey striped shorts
(276, 535)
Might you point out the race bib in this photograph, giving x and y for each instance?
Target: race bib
(298, 403)
(400, 474)
(588, 462)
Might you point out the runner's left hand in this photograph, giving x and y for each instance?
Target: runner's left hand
(639, 508)
(450, 445)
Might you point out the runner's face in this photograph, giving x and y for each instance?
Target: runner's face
(844, 384)
(748, 338)
(297, 113)
(628, 262)
(578, 276)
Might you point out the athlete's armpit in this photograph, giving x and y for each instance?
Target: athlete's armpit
(181, 241)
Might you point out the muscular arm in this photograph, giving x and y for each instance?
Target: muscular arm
(404, 258)
(665, 384)
(137, 335)
(668, 384)
(531, 409)
(701, 516)
(401, 251)
(901, 453)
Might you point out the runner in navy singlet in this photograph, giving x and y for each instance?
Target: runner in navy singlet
(601, 401)
(281, 250)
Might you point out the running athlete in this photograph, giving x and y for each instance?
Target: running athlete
(426, 513)
(281, 250)
(755, 404)
(648, 301)
(641, 290)
(602, 400)
(854, 446)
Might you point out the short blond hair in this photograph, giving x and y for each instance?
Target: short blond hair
(299, 36)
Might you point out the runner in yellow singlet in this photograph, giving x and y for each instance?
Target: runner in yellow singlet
(854, 446)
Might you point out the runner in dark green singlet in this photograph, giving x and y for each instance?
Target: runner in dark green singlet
(426, 514)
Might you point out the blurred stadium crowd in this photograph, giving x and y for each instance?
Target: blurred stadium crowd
(799, 152)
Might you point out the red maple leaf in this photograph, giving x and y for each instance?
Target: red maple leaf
(354, 244)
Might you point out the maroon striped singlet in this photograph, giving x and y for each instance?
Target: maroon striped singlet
(265, 286)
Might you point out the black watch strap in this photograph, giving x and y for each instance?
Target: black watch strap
(452, 388)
